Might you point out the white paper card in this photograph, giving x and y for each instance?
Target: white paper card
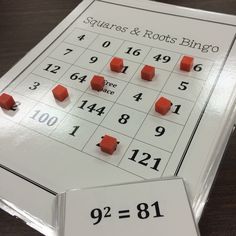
(145, 208)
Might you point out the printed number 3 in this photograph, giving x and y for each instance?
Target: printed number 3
(35, 86)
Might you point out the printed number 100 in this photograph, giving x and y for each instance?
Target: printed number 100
(44, 118)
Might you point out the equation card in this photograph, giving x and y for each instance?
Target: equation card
(145, 208)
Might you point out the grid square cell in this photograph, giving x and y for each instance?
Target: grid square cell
(159, 133)
(92, 149)
(105, 44)
(51, 69)
(133, 51)
(111, 90)
(74, 132)
(22, 106)
(67, 53)
(183, 87)
(91, 108)
(34, 86)
(138, 97)
(179, 112)
(77, 78)
(81, 38)
(145, 160)
(162, 59)
(124, 120)
(43, 119)
(201, 68)
(157, 83)
(93, 61)
(126, 74)
(65, 105)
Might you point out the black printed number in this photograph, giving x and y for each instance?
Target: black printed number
(68, 50)
(183, 85)
(52, 68)
(15, 106)
(138, 97)
(34, 86)
(76, 128)
(44, 118)
(92, 108)
(176, 110)
(160, 131)
(77, 76)
(163, 59)
(143, 210)
(97, 214)
(81, 37)
(93, 60)
(134, 52)
(124, 119)
(125, 69)
(198, 68)
(106, 44)
(146, 159)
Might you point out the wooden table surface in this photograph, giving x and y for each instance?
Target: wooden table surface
(23, 23)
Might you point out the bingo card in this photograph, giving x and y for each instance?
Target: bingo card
(120, 91)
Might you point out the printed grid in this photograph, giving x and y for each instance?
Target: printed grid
(139, 152)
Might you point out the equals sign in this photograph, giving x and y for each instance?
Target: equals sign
(124, 214)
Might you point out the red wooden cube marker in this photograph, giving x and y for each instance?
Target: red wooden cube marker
(97, 83)
(108, 144)
(148, 73)
(163, 105)
(60, 93)
(6, 101)
(117, 64)
(186, 63)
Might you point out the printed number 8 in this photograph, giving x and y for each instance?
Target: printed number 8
(124, 119)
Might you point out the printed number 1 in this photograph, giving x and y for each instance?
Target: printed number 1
(74, 131)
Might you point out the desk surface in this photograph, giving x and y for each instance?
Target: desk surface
(23, 23)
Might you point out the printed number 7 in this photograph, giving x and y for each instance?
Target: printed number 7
(68, 50)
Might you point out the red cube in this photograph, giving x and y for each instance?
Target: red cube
(163, 105)
(148, 73)
(97, 83)
(108, 144)
(117, 64)
(186, 63)
(6, 101)
(60, 93)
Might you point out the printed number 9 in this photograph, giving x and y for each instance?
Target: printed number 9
(160, 131)
(93, 59)
(96, 214)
